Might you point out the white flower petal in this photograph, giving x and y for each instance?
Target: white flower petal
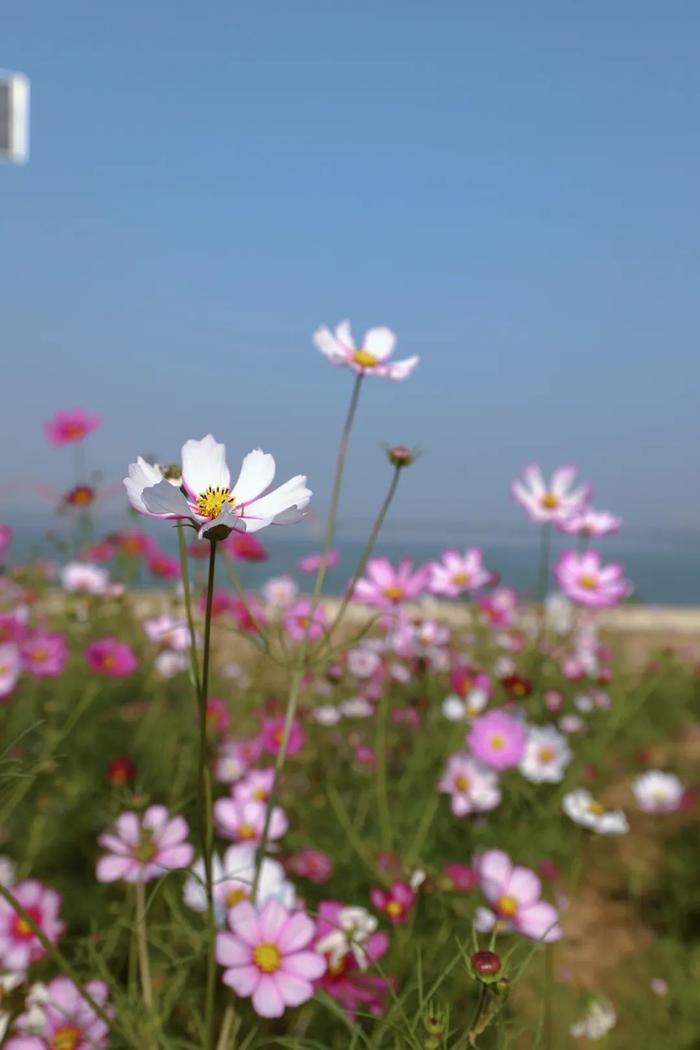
(142, 475)
(293, 495)
(380, 342)
(256, 476)
(164, 500)
(204, 465)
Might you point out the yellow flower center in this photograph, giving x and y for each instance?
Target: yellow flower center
(596, 807)
(507, 906)
(108, 660)
(303, 621)
(39, 655)
(545, 754)
(267, 958)
(461, 578)
(550, 501)
(67, 1037)
(236, 896)
(462, 782)
(394, 908)
(364, 358)
(260, 794)
(498, 742)
(589, 582)
(393, 593)
(23, 928)
(246, 831)
(211, 502)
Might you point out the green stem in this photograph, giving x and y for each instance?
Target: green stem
(226, 1026)
(204, 792)
(548, 990)
(187, 591)
(142, 941)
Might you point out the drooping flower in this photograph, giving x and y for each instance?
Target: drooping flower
(244, 821)
(109, 656)
(370, 358)
(396, 902)
(19, 945)
(585, 580)
(311, 563)
(546, 755)
(66, 427)
(206, 498)
(497, 739)
(233, 879)
(549, 502)
(386, 587)
(584, 809)
(658, 792)
(473, 787)
(349, 939)
(457, 573)
(10, 668)
(302, 620)
(268, 956)
(514, 894)
(44, 654)
(58, 1017)
(590, 523)
(144, 846)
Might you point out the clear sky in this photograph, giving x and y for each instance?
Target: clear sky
(513, 187)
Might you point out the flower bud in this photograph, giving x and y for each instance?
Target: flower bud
(485, 965)
(434, 1022)
(401, 456)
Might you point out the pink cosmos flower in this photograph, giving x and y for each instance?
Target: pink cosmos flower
(98, 552)
(272, 732)
(311, 864)
(370, 358)
(19, 946)
(10, 668)
(312, 562)
(267, 956)
(248, 613)
(473, 786)
(111, 657)
(590, 522)
(554, 501)
(345, 978)
(396, 902)
(218, 715)
(386, 587)
(499, 608)
(245, 548)
(70, 426)
(144, 847)
(497, 739)
(457, 573)
(584, 579)
(461, 877)
(514, 894)
(59, 1018)
(5, 539)
(44, 654)
(163, 565)
(256, 785)
(235, 757)
(300, 621)
(206, 498)
(13, 625)
(244, 821)
(134, 542)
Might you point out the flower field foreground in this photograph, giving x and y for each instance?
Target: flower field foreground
(431, 814)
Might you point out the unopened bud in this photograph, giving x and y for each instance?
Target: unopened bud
(401, 456)
(434, 1021)
(485, 965)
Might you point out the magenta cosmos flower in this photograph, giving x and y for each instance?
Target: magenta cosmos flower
(267, 956)
(313, 562)
(59, 1018)
(44, 654)
(348, 939)
(370, 358)
(591, 523)
(302, 621)
(386, 587)
(457, 573)
(396, 902)
(272, 732)
(244, 821)
(553, 501)
(207, 500)
(143, 847)
(514, 895)
(70, 426)
(111, 657)
(18, 944)
(10, 668)
(497, 739)
(583, 579)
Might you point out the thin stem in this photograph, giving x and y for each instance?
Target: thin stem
(226, 1026)
(543, 571)
(294, 690)
(548, 990)
(380, 778)
(142, 940)
(368, 548)
(185, 573)
(204, 792)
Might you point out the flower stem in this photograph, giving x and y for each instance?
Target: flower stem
(142, 940)
(204, 793)
(548, 990)
(226, 1028)
(185, 573)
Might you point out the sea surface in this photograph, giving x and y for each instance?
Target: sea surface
(663, 567)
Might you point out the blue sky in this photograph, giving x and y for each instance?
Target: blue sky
(512, 187)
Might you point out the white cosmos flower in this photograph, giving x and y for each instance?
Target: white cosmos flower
(546, 755)
(354, 927)
(326, 715)
(371, 357)
(233, 880)
(10, 667)
(84, 576)
(657, 792)
(583, 809)
(599, 1019)
(208, 500)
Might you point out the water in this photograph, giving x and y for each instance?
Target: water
(664, 567)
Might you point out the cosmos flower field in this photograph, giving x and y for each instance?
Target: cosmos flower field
(431, 813)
